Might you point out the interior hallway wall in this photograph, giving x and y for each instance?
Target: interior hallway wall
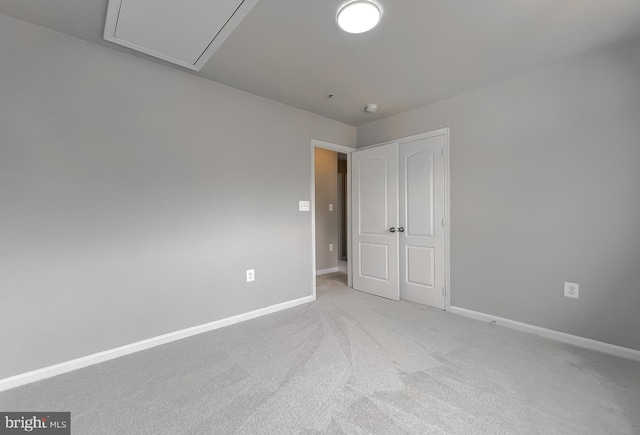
(326, 168)
(133, 197)
(545, 188)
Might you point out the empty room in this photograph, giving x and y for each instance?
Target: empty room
(319, 217)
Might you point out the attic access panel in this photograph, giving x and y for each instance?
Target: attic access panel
(184, 32)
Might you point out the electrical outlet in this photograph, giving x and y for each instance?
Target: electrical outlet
(330, 207)
(330, 248)
(572, 290)
(251, 275)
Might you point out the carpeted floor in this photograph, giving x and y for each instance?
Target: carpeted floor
(349, 363)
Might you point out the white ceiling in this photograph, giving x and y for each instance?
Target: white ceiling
(423, 51)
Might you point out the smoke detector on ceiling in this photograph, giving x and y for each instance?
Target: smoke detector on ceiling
(371, 108)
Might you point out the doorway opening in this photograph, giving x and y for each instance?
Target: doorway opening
(331, 197)
(342, 212)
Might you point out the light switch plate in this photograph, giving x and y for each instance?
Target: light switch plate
(330, 207)
(304, 205)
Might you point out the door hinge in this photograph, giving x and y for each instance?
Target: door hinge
(444, 155)
(444, 291)
(443, 222)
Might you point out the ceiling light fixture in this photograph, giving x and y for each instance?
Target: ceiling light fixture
(359, 16)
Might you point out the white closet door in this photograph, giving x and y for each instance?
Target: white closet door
(422, 241)
(374, 221)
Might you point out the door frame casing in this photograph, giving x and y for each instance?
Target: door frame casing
(339, 149)
(446, 132)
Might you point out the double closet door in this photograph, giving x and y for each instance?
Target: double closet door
(398, 220)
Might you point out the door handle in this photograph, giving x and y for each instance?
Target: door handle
(392, 229)
(401, 230)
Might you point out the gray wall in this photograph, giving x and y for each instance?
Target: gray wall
(133, 197)
(327, 231)
(545, 188)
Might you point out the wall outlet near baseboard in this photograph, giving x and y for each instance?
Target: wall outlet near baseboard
(330, 248)
(251, 275)
(572, 290)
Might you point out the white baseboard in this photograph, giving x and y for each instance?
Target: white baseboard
(325, 271)
(575, 340)
(96, 358)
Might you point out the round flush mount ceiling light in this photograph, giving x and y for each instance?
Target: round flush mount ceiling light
(359, 16)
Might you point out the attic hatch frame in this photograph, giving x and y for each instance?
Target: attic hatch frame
(111, 24)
